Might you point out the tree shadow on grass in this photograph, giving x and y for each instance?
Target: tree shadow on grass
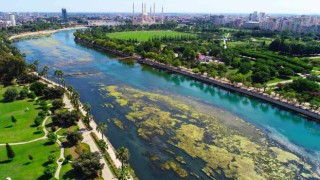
(43, 177)
(72, 174)
(27, 163)
(37, 132)
(5, 161)
(33, 125)
(48, 143)
(8, 127)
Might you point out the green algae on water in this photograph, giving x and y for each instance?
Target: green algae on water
(225, 149)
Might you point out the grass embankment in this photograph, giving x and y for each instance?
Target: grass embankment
(23, 168)
(146, 35)
(23, 129)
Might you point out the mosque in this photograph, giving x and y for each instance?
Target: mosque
(144, 18)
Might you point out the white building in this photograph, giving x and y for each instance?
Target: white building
(12, 19)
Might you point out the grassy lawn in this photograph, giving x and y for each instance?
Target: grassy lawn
(21, 167)
(67, 172)
(145, 35)
(63, 131)
(23, 130)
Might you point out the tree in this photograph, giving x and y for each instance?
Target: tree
(38, 88)
(245, 67)
(88, 165)
(102, 128)
(52, 137)
(10, 153)
(24, 93)
(10, 95)
(123, 155)
(13, 119)
(30, 157)
(57, 104)
(87, 107)
(50, 170)
(36, 64)
(44, 71)
(51, 158)
(176, 63)
(74, 138)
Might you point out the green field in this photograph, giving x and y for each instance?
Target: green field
(21, 167)
(23, 130)
(145, 35)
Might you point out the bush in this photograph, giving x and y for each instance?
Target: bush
(57, 104)
(10, 95)
(51, 159)
(50, 170)
(53, 93)
(23, 93)
(52, 137)
(38, 121)
(68, 157)
(74, 138)
(32, 95)
(38, 88)
(88, 165)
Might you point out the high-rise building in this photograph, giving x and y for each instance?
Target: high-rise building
(64, 15)
(12, 19)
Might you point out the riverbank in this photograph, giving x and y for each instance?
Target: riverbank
(46, 32)
(253, 92)
(106, 172)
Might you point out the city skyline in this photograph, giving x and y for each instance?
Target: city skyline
(174, 6)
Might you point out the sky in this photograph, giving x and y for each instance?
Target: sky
(178, 6)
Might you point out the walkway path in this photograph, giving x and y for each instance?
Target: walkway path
(34, 140)
(87, 138)
(57, 174)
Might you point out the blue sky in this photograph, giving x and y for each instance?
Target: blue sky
(193, 6)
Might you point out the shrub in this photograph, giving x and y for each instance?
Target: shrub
(10, 95)
(38, 121)
(50, 170)
(32, 95)
(57, 104)
(74, 138)
(51, 158)
(38, 88)
(88, 165)
(23, 93)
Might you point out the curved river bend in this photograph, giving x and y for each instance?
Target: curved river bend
(88, 70)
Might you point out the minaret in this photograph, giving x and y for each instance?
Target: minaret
(133, 14)
(154, 13)
(145, 7)
(162, 16)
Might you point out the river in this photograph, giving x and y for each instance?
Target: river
(88, 70)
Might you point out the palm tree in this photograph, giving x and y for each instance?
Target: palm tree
(45, 71)
(36, 63)
(102, 128)
(123, 155)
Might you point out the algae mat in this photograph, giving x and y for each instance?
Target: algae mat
(225, 149)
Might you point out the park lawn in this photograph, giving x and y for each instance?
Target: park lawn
(21, 167)
(23, 130)
(67, 172)
(145, 35)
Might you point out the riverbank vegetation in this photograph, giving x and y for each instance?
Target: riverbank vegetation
(251, 65)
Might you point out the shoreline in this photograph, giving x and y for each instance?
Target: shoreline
(212, 81)
(45, 32)
(110, 150)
